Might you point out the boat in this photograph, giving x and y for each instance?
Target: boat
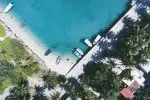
(80, 51)
(88, 42)
(98, 37)
(77, 54)
(48, 51)
(58, 60)
(8, 8)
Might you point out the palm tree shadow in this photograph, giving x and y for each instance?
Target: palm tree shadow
(142, 6)
(143, 3)
(104, 46)
(112, 39)
(147, 79)
(73, 80)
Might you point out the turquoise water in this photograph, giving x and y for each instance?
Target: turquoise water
(63, 24)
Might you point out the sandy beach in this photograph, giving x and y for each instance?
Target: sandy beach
(35, 46)
(38, 49)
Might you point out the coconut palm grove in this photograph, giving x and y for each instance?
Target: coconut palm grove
(105, 77)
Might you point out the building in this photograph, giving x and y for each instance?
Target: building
(128, 92)
(133, 85)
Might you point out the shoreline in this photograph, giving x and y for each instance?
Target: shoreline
(78, 68)
(35, 48)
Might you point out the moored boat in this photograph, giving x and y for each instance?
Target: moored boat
(98, 37)
(8, 7)
(77, 54)
(48, 51)
(80, 51)
(88, 42)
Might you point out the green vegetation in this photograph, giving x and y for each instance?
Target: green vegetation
(15, 63)
(132, 48)
(20, 92)
(51, 80)
(2, 31)
(76, 90)
(55, 96)
(39, 94)
(101, 78)
(8, 75)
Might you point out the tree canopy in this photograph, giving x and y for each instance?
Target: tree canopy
(133, 45)
(101, 78)
(51, 79)
(39, 94)
(131, 48)
(19, 92)
(15, 63)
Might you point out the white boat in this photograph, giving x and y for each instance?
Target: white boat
(77, 54)
(88, 42)
(96, 39)
(80, 51)
(8, 8)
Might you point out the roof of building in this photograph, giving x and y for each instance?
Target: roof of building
(127, 93)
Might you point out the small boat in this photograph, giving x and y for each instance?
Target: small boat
(8, 8)
(48, 51)
(58, 60)
(77, 54)
(80, 51)
(88, 42)
(96, 39)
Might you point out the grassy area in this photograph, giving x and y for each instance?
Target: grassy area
(15, 63)
(4, 84)
(2, 31)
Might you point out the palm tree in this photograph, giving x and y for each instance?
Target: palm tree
(101, 78)
(90, 96)
(74, 89)
(55, 96)
(21, 92)
(126, 74)
(50, 80)
(61, 79)
(132, 41)
(39, 94)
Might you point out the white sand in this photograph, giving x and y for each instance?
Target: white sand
(5, 94)
(32, 42)
(26, 36)
(78, 69)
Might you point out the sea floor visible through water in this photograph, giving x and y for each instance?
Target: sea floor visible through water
(62, 25)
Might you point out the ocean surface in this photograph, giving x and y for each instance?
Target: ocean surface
(63, 24)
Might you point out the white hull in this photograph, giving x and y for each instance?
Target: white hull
(88, 42)
(80, 51)
(96, 39)
(77, 54)
(8, 8)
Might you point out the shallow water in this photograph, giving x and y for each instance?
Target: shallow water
(62, 24)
